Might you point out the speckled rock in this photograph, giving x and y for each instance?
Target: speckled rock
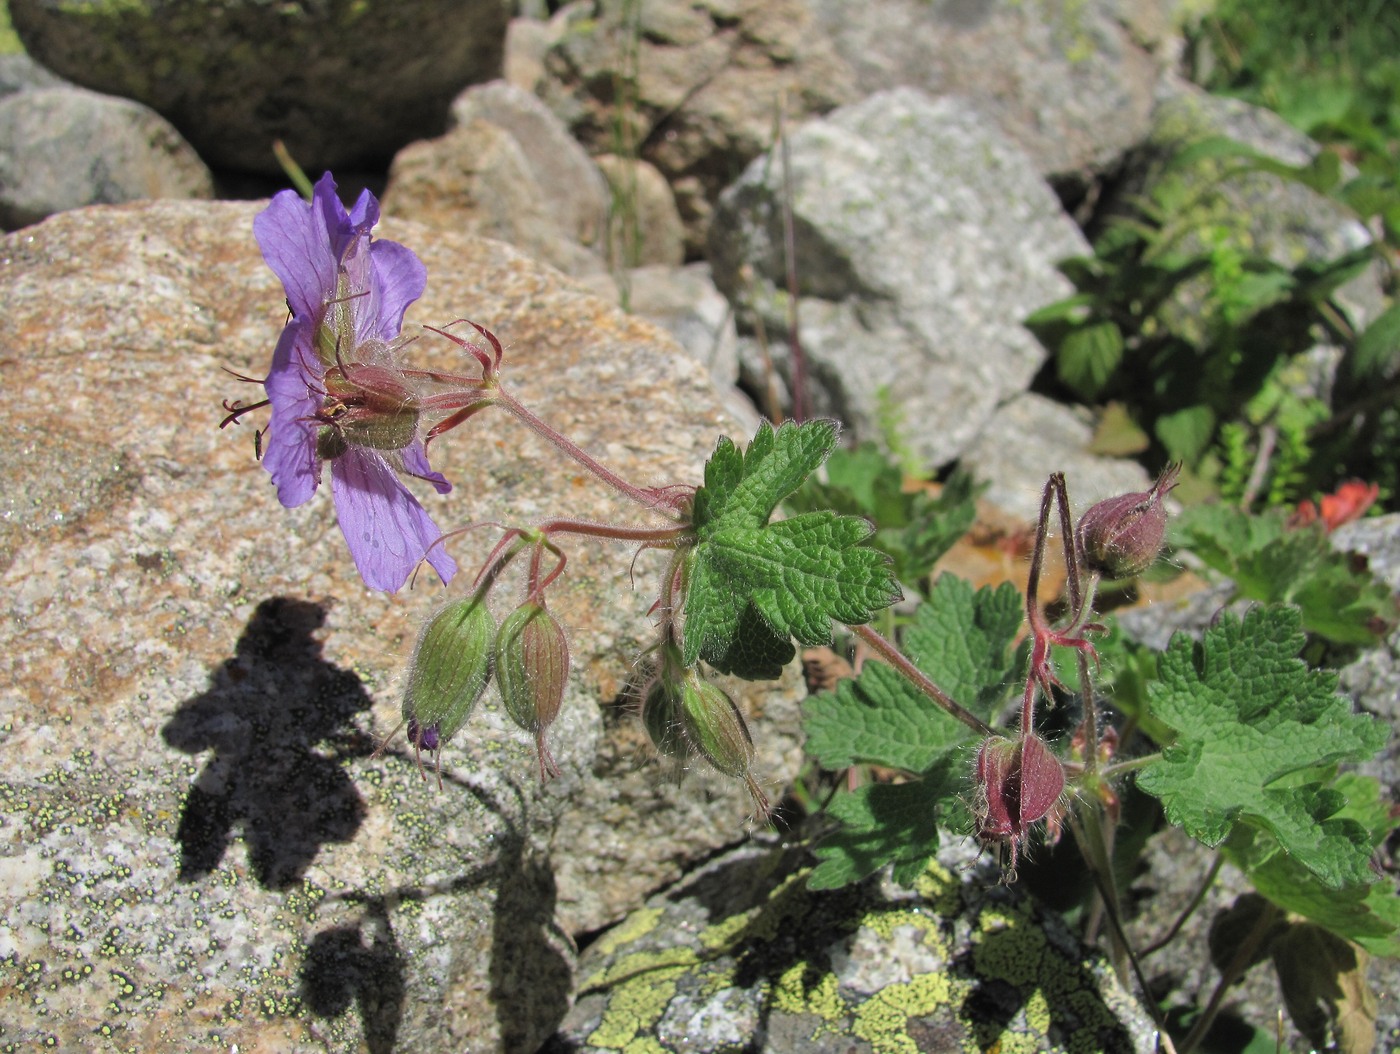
(701, 84)
(923, 236)
(65, 147)
(1069, 83)
(742, 956)
(342, 82)
(477, 179)
(1029, 437)
(574, 191)
(199, 849)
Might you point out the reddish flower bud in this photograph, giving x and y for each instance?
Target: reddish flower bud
(532, 671)
(1019, 781)
(1121, 537)
(448, 672)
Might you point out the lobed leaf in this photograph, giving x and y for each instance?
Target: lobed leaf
(1248, 714)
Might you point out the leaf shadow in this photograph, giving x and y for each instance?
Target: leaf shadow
(278, 720)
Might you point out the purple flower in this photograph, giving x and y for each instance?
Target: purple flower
(337, 389)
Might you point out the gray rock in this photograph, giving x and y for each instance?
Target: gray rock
(644, 224)
(18, 72)
(477, 179)
(700, 94)
(743, 955)
(1029, 437)
(1253, 212)
(64, 147)
(196, 839)
(923, 236)
(1068, 83)
(574, 191)
(685, 302)
(340, 83)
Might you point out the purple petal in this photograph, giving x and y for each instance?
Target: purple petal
(290, 449)
(401, 278)
(340, 228)
(415, 463)
(296, 245)
(366, 210)
(387, 530)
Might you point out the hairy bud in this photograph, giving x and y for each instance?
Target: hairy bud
(717, 731)
(1121, 537)
(448, 673)
(532, 670)
(1019, 781)
(661, 716)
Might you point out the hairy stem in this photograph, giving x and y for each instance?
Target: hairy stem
(885, 648)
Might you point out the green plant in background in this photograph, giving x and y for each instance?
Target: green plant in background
(1235, 736)
(912, 527)
(1331, 70)
(1204, 341)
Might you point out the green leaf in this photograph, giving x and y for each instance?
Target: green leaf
(890, 823)
(797, 574)
(1089, 356)
(1186, 433)
(963, 641)
(1368, 912)
(1375, 353)
(1248, 714)
(966, 642)
(1272, 563)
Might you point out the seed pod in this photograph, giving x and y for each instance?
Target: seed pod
(532, 670)
(1121, 537)
(715, 727)
(661, 715)
(1019, 781)
(449, 670)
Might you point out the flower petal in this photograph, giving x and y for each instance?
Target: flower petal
(415, 463)
(296, 245)
(290, 449)
(387, 530)
(401, 278)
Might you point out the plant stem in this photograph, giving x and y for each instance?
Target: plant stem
(1237, 965)
(665, 537)
(1190, 909)
(642, 496)
(885, 648)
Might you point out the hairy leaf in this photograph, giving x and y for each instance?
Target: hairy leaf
(1248, 715)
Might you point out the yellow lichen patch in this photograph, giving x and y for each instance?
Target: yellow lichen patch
(941, 888)
(790, 900)
(1008, 949)
(638, 924)
(791, 994)
(635, 1006)
(882, 1020)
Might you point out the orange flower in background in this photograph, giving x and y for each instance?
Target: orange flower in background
(1349, 502)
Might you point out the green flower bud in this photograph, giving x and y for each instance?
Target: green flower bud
(532, 670)
(715, 727)
(450, 667)
(661, 715)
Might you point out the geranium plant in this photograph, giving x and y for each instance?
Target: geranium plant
(1234, 734)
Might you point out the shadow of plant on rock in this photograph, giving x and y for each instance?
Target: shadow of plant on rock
(340, 970)
(279, 720)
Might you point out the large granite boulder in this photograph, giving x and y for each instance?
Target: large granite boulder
(200, 847)
(922, 237)
(340, 83)
(1069, 83)
(64, 147)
